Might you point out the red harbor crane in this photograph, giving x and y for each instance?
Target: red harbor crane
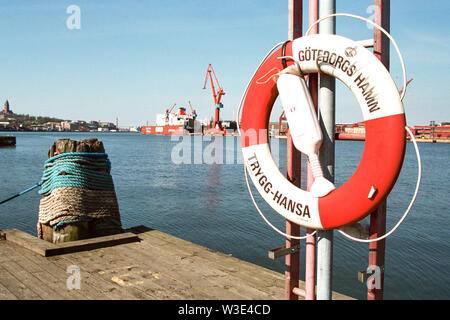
(217, 96)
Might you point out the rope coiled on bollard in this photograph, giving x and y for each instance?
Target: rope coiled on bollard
(77, 186)
(77, 170)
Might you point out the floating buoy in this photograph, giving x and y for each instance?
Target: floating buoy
(384, 120)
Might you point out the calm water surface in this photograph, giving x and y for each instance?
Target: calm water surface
(208, 204)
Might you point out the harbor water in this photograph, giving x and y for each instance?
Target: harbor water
(199, 194)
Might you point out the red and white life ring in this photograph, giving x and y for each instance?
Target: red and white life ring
(384, 122)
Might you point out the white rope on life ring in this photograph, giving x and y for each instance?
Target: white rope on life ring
(396, 112)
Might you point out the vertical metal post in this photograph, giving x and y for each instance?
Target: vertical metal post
(295, 22)
(310, 263)
(381, 42)
(326, 156)
(292, 260)
(295, 8)
(378, 217)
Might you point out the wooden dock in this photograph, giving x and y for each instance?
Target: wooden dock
(151, 266)
(7, 141)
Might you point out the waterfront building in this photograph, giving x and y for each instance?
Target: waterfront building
(432, 131)
(6, 110)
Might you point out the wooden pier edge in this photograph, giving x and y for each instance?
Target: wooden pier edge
(47, 249)
(142, 263)
(7, 141)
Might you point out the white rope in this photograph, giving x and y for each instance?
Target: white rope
(248, 84)
(419, 178)
(266, 220)
(403, 92)
(245, 168)
(394, 43)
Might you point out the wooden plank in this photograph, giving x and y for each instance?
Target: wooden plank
(154, 277)
(15, 286)
(131, 272)
(246, 286)
(39, 266)
(210, 256)
(29, 242)
(91, 264)
(175, 285)
(92, 284)
(247, 272)
(206, 279)
(168, 287)
(5, 294)
(177, 254)
(93, 243)
(98, 261)
(31, 281)
(160, 266)
(283, 251)
(91, 287)
(47, 249)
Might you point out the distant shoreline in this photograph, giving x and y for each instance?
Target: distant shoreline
(431, 140)
(33, 131)
(9, 133)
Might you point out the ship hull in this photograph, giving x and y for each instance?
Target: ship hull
(163, 130)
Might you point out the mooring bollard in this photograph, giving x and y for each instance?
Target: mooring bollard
(79, 199)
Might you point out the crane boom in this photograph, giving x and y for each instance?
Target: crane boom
(169, 111)
(217, 96)
(190, 106)
(194, 113)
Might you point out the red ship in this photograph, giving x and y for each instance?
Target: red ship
(176, 123)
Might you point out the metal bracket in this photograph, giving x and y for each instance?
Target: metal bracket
(283, 251)
(299, 292)
(368, 43)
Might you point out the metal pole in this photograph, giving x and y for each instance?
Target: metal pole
(378, 217)
(295, 22)
(295, 10)
(326, 156)
(310, 263)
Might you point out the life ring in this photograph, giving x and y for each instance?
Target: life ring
(384, 121)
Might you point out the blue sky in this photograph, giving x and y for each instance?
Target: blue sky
(132, 59)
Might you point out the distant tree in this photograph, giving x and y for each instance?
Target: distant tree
(34, 120)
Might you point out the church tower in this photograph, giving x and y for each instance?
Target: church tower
(6, 109)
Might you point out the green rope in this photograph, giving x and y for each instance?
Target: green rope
(62, 224)
(77, 170)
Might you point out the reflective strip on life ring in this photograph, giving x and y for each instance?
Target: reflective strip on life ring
(384, 121)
